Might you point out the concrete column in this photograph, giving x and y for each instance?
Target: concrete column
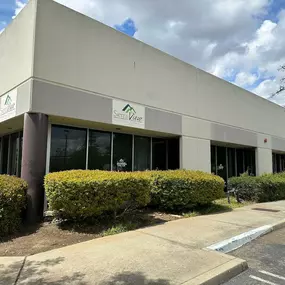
(34, 162)
(263, 158)
(195, 154)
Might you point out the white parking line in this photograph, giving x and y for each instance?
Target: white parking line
(271, 274)
(262, 280)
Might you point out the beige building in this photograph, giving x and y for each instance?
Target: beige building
(77, 94)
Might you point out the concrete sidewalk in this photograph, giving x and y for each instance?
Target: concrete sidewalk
(172, 253)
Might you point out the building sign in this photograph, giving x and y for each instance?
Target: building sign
(8, 105)
(128, 114)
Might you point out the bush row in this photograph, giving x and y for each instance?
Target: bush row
(12, 202)
(80, 194)
(264, 188)
(85, 193)
(181, 189)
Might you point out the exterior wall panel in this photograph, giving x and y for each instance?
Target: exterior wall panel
(278, 144)
(233, 135)
(163, 122)
(94, 57)
(66, 102)
(24, 98)
(195, 154)
(16, 49)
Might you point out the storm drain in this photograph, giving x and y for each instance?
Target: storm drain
(266, 210)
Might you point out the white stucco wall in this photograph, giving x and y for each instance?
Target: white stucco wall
(195, 154)
(16, 49)
(54, 44)
(94, 57)
(263, 158)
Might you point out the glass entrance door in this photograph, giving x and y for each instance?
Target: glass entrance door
(228, 162)
(159, 154)
(5, 155)
(222, 162)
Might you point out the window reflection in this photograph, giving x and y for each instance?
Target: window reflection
(99, 154)
(159, 154)
(227, 162)
(125, 153)
(278, 162)
(142, 153)
(11, 154)
(14, 154)
(122, 152)
(68, 148)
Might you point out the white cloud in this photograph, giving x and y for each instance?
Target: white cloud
(19, 7)
(266, 88)
(245, 79)
(1, 31)
(225, 37)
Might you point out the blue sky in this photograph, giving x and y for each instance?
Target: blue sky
(7, 11)
(241, 41)
(128, 27)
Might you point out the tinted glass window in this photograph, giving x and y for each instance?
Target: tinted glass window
(14, 154)
(222, 162)
(282, 163)
(240, 162)
(231, 162)
(68, 148)
(122, 152)
(249, 161)
(274, 162)
(159, 154)
(213, 159)
(5, 150)
(142, 153)
(173, 154)
(99, 155)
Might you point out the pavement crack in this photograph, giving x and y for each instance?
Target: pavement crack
(20, 271)
(169, 240)
(230, 223)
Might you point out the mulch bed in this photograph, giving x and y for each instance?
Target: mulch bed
(48, 235)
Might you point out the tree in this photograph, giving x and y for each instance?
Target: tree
(282, 82)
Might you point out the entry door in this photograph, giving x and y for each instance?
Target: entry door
(159, 154)
(5, 155)
(222, 162)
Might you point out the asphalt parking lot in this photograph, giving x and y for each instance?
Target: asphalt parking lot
(266, 261)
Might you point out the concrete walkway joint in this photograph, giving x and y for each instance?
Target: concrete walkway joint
(177, 252)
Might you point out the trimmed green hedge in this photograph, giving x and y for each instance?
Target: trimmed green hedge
(79, 194)
(264, 188)
(182, 189)
(12, 202)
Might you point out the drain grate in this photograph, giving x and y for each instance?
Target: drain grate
(266, 210)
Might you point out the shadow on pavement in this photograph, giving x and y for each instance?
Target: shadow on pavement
(32, 273)
(131, 278)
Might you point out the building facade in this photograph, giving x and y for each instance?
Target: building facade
(76, 94)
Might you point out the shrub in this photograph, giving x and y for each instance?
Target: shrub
(264, 188)
(181, 189)
(247, 186)
(12, 202)
(79, 194)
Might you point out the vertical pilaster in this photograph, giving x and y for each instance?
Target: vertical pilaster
(34, 162)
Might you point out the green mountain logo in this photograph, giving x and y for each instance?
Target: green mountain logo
(129, 109)
(8, 100)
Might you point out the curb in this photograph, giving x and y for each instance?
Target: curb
(231, 269)
(236, 242)
(220, 274)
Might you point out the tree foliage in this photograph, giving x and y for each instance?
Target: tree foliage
(282, 82)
